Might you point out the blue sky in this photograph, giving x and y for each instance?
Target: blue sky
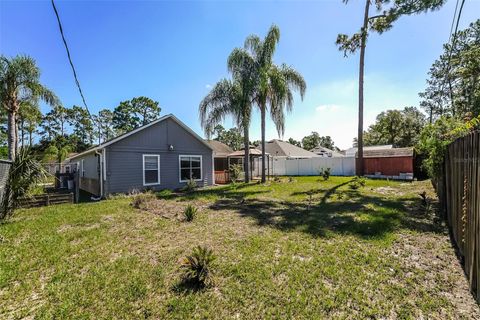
(174, 51)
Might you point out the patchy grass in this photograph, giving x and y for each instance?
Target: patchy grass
(303, 249)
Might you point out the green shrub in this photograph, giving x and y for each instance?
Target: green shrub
(357, 183)
(197, 266)
(235, 171)
(190, 212)
(325, 173)
(24, 175)
(190, 186)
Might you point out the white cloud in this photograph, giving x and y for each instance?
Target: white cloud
(208, 86)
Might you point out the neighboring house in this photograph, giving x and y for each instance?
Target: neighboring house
(64, 167)
(394, 163)
(220, 153)
(325, 152)
(279, 148)
(352, 152)
(163, 154)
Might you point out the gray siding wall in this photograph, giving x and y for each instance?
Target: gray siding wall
(90, 165)
(125, 158)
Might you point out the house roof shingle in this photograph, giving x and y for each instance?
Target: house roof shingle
(281, 148)
(219, 149)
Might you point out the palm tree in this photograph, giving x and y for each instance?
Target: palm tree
(274, 84)
(19, 82)
(227, 98)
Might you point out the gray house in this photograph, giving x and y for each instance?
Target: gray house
(163, 154)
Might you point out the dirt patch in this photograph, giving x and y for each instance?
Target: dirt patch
(433, 255)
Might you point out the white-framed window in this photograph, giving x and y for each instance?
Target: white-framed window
(190, 167)
(151, 169)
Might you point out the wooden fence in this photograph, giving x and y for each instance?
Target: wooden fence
(459, 194)
(46, 200)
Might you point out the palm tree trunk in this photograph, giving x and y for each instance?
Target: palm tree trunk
(11, 136)
(22, 135)
(30, 138)
(262, 113)
(246, 161)
(16, 136)
(360, 90)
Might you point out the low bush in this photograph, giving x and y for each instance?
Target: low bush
(197, 267)
(140, 200)
(190, 213)
(325, 173)
(357, 183)
(190, 186)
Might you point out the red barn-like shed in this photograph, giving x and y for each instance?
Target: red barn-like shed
(395, 163)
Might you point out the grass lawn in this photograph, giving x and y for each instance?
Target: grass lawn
(299, 249)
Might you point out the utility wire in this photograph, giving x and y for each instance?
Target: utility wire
(70, 60)
(453, 21)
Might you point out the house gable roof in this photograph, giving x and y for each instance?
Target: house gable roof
(323, 150)
(281, 148)
(127, 134)
(219, 148)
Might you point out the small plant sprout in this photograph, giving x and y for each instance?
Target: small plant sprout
(325, 173)
(197, 267)
(357, 183)
(190, 213)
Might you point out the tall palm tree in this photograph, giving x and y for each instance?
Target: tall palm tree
(19, 82)
(227, 98)
(274, 84)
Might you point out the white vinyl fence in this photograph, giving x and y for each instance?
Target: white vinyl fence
(342, 166)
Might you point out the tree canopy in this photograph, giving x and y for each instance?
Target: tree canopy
(453, 87)
(231, 137)
(400, 128)
(134, 113)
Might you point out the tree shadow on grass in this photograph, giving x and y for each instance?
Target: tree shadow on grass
(368, 216)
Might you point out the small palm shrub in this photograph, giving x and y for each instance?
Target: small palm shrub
(235, 171)
(197, 267)
(190, 186)
(25, 173)
(325, 173)
(190, 212)
(357, 183)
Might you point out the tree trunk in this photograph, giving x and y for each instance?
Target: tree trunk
(360, 90)
(30, 138)
(16, 136)
(246, 161)
(11, 135)
(262, 112)
(22, 135)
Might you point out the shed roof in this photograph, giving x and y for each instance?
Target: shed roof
(389, 153)
(219, 149)
(281, 148)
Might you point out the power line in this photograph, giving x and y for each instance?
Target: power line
(453, 21)
(70, 60)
